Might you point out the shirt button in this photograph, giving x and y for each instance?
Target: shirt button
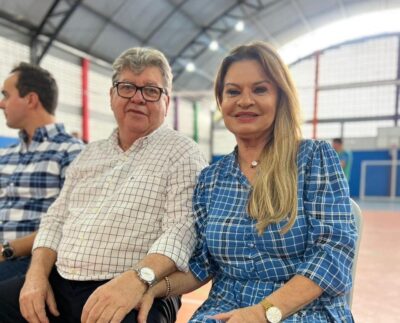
(12, 184)
(251, 245)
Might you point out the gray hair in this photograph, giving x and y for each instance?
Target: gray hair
(138, 58)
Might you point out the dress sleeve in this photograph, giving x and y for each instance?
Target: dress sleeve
(201, 264)
(332, 234)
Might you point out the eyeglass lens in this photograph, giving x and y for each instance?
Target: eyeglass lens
(149, 93)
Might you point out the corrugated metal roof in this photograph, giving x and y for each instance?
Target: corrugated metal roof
(182, 29)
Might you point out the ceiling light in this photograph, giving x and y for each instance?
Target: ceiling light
(213, 45)
(239, 25)
(190, 67)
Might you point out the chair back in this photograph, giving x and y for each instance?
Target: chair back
(356, 210)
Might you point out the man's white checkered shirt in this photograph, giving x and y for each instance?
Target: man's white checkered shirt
(116, 206)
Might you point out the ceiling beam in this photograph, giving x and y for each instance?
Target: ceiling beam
(177, 66)
(303, 18)
(261, 28)
(342, 9)
(109, 22)
(175, 9)
(218, 27)
(17, 21)
(51, 25)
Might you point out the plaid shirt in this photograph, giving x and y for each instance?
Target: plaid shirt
(116, 206)
(247, 267)
(31, 178)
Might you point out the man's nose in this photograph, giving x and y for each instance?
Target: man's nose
(138, 97)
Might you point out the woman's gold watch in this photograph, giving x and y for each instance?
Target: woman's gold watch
(272, 313)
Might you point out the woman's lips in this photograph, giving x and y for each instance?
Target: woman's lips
(246, 115)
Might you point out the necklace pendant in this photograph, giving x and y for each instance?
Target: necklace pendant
(254, 164)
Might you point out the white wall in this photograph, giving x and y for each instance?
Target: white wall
(186, 120)
(11, 54)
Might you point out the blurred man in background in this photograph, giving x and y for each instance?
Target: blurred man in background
(345, 156)
(32, 171)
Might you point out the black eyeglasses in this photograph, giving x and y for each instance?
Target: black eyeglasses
(150, 93)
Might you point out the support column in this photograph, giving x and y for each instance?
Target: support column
(85, 99)
(396, 108)
(316, 89)
(196, 121)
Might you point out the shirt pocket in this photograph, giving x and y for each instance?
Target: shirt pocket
(142, 196)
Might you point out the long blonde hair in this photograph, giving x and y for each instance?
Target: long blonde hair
(274, 194)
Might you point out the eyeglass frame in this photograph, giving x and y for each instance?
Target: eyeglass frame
(140, 88)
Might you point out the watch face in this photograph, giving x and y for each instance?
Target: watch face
(147, 274)
(8, 252)
(273, 314)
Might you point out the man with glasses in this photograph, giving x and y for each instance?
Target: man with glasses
(123, 220)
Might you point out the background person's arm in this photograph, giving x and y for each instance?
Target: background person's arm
(22, 246)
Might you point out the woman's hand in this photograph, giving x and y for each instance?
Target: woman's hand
(144, 306)
(251, 314)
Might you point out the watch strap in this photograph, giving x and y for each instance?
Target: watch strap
(266, 304)
(272, 313)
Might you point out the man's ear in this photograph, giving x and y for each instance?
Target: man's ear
(32, 99)
(111, 94)
(167, 103)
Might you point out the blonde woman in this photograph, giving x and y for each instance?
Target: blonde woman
(275, 231)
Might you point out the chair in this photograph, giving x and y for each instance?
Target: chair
(359, 223)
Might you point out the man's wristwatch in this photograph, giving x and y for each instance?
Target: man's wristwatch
(7, 251)
(272, 313)
(146, 275)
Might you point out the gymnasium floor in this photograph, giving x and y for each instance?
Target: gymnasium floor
(377, 285)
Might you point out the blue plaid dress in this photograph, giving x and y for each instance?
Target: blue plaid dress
(247, 267)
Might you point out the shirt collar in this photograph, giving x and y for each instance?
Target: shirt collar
(44, 133)
(230, 165)
(148, 139)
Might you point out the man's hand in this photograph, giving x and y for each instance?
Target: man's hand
(144, 306)
(34, 296)
(1, 255)
(112, 301)
(251, 314)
